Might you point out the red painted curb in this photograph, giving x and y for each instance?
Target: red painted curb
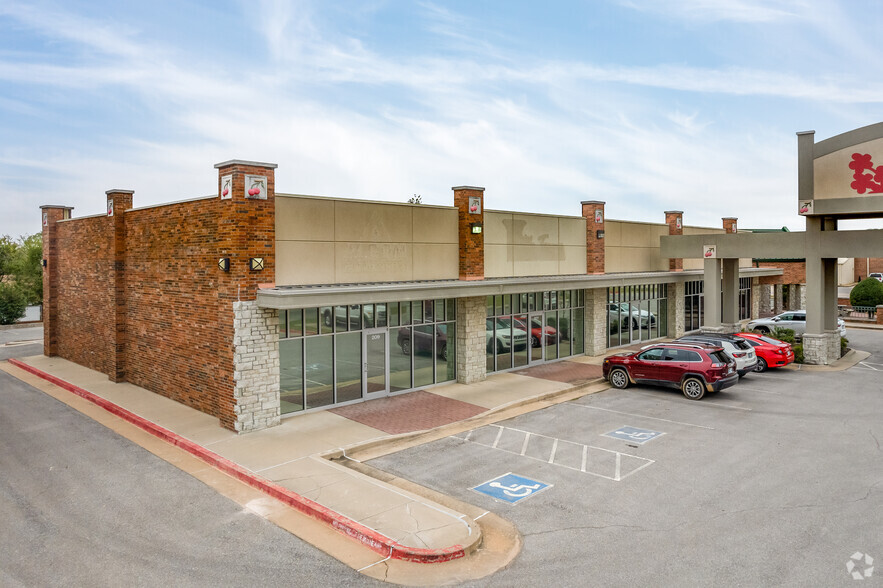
(368, 537)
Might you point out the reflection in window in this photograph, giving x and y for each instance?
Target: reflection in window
(423, 338)
(319, 371)
(446, 353)
(349, 366)
(400, 351)
(291, 378)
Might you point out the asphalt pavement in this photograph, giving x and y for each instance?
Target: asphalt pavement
(776, 481)
(82, 506)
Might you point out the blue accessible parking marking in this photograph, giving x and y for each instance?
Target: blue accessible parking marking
(634, 434)
(511, 487)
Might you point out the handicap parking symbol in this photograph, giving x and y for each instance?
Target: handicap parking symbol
(511, 487)
(634, 434)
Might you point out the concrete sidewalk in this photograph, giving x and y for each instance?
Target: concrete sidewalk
(299, 461)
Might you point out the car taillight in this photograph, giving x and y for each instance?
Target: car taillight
(718, 365)
(739, 354)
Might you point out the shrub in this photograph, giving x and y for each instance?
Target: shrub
(13, 303)
(783, 334)
(844, 346)
(798, 353)
(868, 292)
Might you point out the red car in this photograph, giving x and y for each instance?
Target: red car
(694, 368)
(538, 332)
(770, 352)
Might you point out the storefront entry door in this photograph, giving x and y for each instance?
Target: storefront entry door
(375, 362)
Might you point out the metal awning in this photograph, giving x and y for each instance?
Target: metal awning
(307, 296)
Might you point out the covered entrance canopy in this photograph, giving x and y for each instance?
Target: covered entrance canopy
(836, 181)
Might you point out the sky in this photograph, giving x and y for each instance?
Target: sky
(648, 105)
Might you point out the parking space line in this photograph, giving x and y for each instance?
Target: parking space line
(780, 378)
(644, 416)
(750, 389)
(615, 463)
(693, 402)
(869, 365)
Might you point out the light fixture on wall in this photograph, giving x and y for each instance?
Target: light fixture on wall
(256, 263)
(224, 264)
(44, 263)
(599, 234)
(476, 228)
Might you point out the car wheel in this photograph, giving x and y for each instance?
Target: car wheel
(444, 352)
(635, 324)
(763, 330)
(619, 378)
(693, 388)
(327, 319)
(761, 365)
(406, 346)
(534, 341)
(500, 347)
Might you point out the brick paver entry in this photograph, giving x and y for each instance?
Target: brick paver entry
(569, 372)
(414, 411)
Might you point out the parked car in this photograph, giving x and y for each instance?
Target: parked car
(740, 351)
(637, 317)
(355, 322)
(792, 319)
(503, 336)
(538, 333)
(771, 353)
(876, 275)
(422, 342)
(693, 368)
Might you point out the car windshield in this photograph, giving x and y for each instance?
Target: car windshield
(719, 357)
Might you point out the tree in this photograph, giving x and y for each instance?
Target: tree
(26, 267)
(868, 292)
(12, 303)
(415, 199)
(7, 252)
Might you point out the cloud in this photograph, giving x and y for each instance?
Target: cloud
(746, 11)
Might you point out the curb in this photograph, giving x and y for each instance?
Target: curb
(368, 537)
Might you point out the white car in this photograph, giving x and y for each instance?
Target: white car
(792, 319)
(504, 337)
(877, 276)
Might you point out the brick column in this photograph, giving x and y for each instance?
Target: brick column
(677, 322)
(246, 230)
(469, 201)
(51, 214)
(118, 202)
(593, 211)
(675, 221)
(730, 224)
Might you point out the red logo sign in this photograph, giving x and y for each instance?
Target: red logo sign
(865, 182)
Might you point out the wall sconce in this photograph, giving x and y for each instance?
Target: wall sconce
(224, 264)
(44, 263)
(599, 234)
(476, 228)
(256, 263)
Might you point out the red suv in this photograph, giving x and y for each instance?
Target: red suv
(770, 352)
(694, 368)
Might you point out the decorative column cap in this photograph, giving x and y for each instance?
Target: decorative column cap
(57, 206)
(476, 188)
(674, 212)
(593, 202)
(118, 191)
(245, 162)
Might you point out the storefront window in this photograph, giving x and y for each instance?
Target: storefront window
(633, 313)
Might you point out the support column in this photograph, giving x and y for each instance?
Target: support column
(596, 321)
(676, 311)
(821, 342)
(778, 299)
(471, 340)
(593, 211)
(51, 215)
(712, 321)
(756, 293)
(675, 221)
(469, 201)
(730, 307)
(118, 202)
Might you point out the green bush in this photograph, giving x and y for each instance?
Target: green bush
(798, 353)
(844, 346)
(868, 292)
(13, 303)
(783, 334)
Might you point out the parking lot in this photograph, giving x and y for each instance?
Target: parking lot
(777, 480)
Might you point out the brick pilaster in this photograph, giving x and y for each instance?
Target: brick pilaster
(593, 211)
(469, 201)
(246, 230)
(730, 224)
(118, 202)
(675, 221)
(51, 214)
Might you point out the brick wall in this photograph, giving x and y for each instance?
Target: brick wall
(593, 211)
(675, 221)
(794, 272)
(862, 267)
(140, 297)
(471, 244)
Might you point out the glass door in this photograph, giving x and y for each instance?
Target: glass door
(376, 363)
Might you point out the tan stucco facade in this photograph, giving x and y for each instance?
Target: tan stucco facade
(519, 244)
(833, 176)
(337, 241)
